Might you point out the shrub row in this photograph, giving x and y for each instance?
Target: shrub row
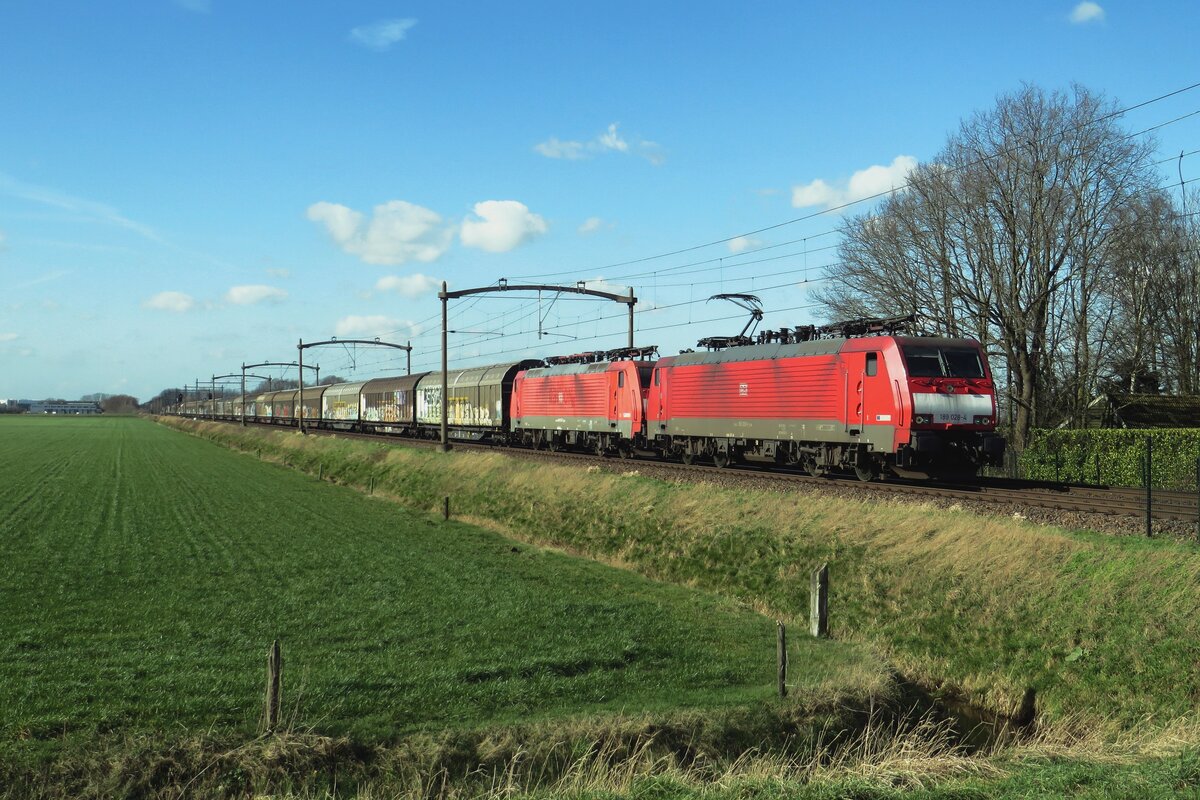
(1114, 457)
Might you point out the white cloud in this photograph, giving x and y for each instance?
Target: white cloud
(556, 148)
(397, 232)
(501, 225)
(176, 302)
(413, 285)
(1087, 12)
(609, 141)
(591, 225)
(9, 337)
(743, 243)
(370, 327)
(249, 295)
(862, 184)
(382, 34)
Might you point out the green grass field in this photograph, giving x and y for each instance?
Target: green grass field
(980, 608)
(145, 573)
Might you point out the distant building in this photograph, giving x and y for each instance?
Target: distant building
(64, 407)
(1143, 411)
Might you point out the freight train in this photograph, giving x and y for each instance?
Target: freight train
(854, 397)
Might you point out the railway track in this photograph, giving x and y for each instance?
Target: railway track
(1174, 506)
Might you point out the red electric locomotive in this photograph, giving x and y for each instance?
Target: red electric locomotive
(594, 401)
(874, 404)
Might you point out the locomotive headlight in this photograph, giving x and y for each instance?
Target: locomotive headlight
(983, 420)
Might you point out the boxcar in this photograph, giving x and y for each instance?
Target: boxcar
(278, 405)
(310, 404)
(389, 404)
(340, 403)
(478, 401)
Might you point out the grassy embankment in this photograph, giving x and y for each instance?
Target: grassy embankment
(1105, 630)
(145, 573)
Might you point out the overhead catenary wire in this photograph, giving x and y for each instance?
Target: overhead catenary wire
(893, 190)
(465, 344)
(724, 260)
(721, 262)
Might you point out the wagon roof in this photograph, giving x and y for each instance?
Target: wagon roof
(490, 375)
(396, 383)
(343, 389)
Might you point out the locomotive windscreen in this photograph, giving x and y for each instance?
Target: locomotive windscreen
(942, 362)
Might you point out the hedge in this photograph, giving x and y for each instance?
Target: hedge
(1113, 457)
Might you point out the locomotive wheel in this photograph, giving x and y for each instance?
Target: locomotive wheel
(601, 450)
(552, 446)
(813, 469)
(865, 472)
(721, 459)
(625, 453)
(687, 458)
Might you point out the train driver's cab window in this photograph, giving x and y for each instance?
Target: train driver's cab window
(621, 380)
(656, 377)
(872, 363)
(943, 362)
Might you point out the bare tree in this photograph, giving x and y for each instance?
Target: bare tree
(1005, 236)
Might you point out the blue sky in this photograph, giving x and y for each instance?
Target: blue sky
(187, 185)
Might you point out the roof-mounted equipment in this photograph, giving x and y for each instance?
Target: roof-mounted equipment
(747, 301)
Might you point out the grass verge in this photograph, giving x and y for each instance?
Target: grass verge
(1105, 630)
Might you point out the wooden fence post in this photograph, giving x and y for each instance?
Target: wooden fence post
(446, 508)
(371, 486)
(781, 657)
(274, 672)
(818, 602)
(1149, 469)
(320, 472)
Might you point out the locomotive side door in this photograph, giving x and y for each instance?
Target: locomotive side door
(878, 409)
(616, 381)
(867, 392)
(854, 383)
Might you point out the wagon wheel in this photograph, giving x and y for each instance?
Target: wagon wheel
(687, 458)
(865, 472)
(721, 459)
(813, 469)
(601, 449)
(539, 440)
(552, 445)
(625, 452)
